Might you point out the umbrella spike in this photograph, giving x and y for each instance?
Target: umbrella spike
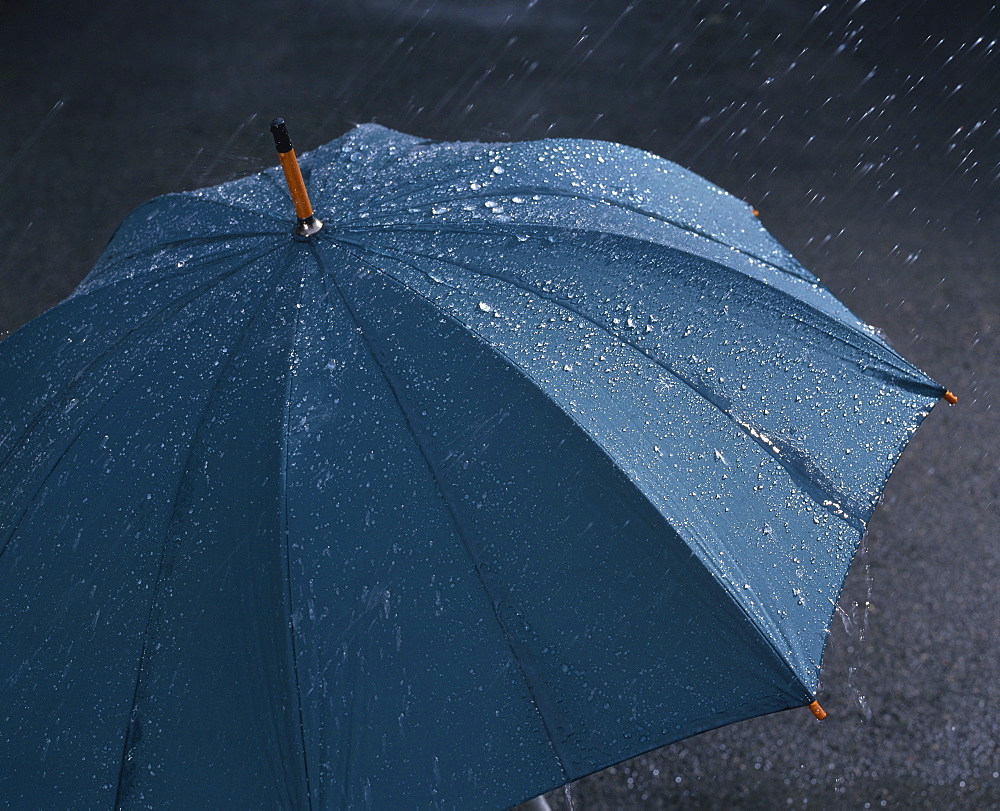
(308, 223)
(817, 710)
(950, 398)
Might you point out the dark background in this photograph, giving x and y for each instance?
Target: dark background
(866, 135)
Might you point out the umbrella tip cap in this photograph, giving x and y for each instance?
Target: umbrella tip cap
(950, 398)
(280, 132)
(817, 710)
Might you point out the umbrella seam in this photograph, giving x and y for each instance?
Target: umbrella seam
(870, 339)
(541, 191)
(197, 196)
(705, 559)
(905, 369)
(47, 406)
(286, 418)
(798, 474)
(857, 522)
(83, 289)
(829, 497)
(120, 795)
(450, 508)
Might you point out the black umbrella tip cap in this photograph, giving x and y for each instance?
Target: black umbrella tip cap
(281, 140)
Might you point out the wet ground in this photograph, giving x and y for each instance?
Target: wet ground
(867, 141)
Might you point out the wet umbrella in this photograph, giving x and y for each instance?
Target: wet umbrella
(526, 459)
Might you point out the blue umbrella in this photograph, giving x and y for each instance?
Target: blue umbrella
(528, 458)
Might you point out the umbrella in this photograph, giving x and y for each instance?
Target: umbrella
(528, 458)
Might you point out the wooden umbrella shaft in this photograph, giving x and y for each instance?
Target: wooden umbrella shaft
(307, 224)
(296, 185)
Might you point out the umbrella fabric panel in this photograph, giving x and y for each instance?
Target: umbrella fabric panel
(80, 569)
(411, 693)
(177, 234)
(408, 186)
(653, 399)
(377, 176)
(374, 181)
(526, 493)
(70, 344)
(81, 555)
(766, 360)
(216, 697)
(62, 378)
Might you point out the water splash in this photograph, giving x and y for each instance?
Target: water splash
(855, 623)
(568, 794)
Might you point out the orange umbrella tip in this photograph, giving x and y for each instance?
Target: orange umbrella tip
(950, 398)
(817, 710)
(755, 212)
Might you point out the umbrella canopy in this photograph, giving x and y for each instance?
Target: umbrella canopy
(537, 456)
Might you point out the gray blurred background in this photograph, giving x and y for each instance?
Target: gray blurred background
(866, 136)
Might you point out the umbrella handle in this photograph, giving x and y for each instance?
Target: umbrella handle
(308, 224)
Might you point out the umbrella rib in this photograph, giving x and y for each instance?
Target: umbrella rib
(158, 315)
(197, 197)
(706, 556)
(390, 158)
(176, 306)
(276, 178)
(307, 159)
(888, 357)
(821, 493)
(86, 290)
(449, 506)
(543, 192)
(286, 417)
(870, 340)
(121, 791)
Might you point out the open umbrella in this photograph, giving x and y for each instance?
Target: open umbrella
(528, 458)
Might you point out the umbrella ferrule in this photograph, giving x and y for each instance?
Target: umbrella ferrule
(307, 226)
